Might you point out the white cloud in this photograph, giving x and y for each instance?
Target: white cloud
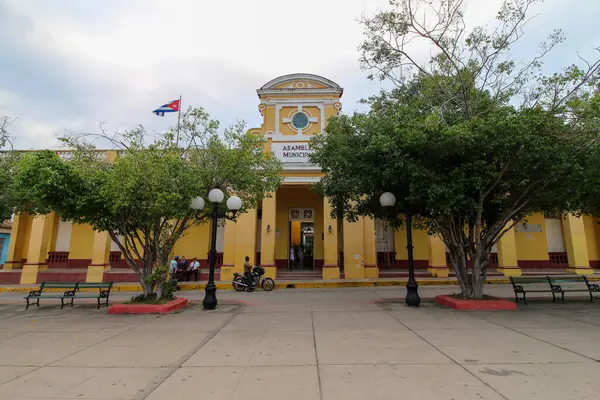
(72, 63)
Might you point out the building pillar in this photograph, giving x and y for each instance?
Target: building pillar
(14, 259)
(38, 248)
(438, 267)
(245, 239)
(354, 250)
(228, 266)
(370, 248)
(331, 269)
(100, 257)
(53, 233)
(267, 236)
(507, 254)
(576, 245)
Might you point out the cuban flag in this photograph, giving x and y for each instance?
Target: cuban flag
(167, 108)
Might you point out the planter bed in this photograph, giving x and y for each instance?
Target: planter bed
(148, 308)
(489, 303)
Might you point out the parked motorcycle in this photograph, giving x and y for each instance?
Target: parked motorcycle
(258, 272)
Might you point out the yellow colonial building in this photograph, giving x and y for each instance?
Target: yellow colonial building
(292, 234)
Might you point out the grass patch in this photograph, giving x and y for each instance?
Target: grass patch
(459, 296)
(150, 299)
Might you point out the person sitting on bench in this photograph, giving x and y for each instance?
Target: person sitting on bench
(194, 269)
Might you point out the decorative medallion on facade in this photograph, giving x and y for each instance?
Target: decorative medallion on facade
(302, 214)
(300, 120)
(299, 85)
(338, 107)
(262, 107)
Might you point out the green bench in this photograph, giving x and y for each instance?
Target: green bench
(522, 285)
(71, 291)
(103, 291)
(558, 286)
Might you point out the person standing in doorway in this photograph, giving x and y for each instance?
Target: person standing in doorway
(301, 256)
(248, 273)
(292, 256)
(194, 268)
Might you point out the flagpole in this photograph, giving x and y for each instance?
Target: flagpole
(178, 120)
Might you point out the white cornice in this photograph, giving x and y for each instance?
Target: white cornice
(305, 101)
(262, 92)
(301, 167)
(301, 179)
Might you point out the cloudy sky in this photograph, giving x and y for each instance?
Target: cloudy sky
(69, 64)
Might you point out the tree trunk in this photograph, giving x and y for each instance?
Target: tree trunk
(457, 256)
(480, 263)
(477, 281)
(146, 287)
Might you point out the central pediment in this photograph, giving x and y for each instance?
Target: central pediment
(300, 83)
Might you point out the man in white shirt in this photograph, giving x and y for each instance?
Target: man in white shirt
(194, 269)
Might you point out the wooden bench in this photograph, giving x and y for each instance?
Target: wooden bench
(69, 292)
(72, 291)
(558, 286)
(521, 285)
(103, 291)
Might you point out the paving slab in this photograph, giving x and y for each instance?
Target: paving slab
(283, 382)
(396, 382)
(285, 348)
(42, 348)
(442, 319)
(10, 373)
(76, 383)
(531, 320)
(200, 383)
(133, 349)
(375, 347)
(541, 381)
(584, 341)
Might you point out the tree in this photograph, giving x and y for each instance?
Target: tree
(7, 162)
(452, 140)
(143, 197)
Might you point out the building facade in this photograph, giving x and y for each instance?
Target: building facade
(4, 240)
(292, 233)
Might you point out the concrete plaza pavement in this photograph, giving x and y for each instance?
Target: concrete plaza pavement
(353, 343)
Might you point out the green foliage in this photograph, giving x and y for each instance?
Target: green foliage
(142, 198)
(470, 140)
(466, 180)
(8, 158)
(150, 298)
(159, 274)
(7, 167)
(160, 281)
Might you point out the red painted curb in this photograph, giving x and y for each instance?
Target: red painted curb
(457, 304)
(148, 308)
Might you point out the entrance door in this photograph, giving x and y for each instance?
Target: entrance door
(307, 245)
(301, 243)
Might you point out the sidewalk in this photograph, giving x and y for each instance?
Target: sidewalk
(324, 344)
(283, 284)
(296, 284)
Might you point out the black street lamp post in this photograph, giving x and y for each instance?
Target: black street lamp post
(234, 204)
(412, 287)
